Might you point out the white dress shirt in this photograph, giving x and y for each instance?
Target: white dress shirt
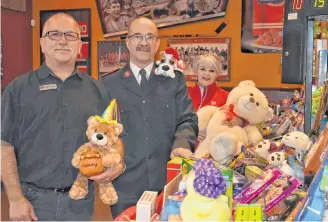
(135, 69)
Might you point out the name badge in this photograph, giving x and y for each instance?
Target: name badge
(48, 87)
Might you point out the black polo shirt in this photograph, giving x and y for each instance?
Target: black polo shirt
(45, 119)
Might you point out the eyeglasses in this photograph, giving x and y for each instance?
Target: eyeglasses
(140, 37)
(56, 35)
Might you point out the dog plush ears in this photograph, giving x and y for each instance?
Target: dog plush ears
(173, 53)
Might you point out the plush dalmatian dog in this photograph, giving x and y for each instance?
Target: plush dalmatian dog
(169, 64)
(262, 148)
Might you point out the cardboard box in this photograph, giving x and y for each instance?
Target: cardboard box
(174, 168)
(146, 206)
(171, 188)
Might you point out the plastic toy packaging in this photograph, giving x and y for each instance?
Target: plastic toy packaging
(172, 207)
(277, 191)
(253, 189)
(287, 208)
(240, 164)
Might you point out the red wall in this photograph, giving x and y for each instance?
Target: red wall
(16, 34)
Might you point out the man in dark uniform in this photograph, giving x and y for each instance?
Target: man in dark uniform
(44, 117)
(157, 115)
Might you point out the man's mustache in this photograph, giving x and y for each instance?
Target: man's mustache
(143, 49)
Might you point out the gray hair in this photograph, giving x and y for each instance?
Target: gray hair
(213, 59)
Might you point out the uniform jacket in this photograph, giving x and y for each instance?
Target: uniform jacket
(215, 96)
(154, 122)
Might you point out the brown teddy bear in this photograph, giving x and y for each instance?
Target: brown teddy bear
(104, 150)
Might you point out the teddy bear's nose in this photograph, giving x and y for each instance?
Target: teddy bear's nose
(99, 136)
(252, 100)
(166, 68)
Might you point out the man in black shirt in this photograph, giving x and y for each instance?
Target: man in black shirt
(44, 117)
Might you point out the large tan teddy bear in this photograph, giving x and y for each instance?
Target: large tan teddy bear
(232, 125)
(104, 150)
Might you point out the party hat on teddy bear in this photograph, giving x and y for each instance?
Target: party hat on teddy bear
(111, 115)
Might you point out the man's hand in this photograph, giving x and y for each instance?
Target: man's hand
(182, 152)
(201, 135)
(110, 174)
(21, 210)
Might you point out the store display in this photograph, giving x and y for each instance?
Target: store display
(270, 180)
(232, 125)
(104, 150)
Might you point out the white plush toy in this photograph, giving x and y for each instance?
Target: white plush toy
(301, 144)
(274, 154)
(230, 126)
(297, 140)
(262, 148)
(278, 160)
(169, 63)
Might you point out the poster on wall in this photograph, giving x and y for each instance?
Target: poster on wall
(190, 49)
(112, 56)
(16, 5)
(262, 24)
(116, 15)
(83, 17)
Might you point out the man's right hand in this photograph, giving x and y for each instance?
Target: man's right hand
(21, 210)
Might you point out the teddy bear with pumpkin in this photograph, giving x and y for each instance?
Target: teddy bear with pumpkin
(104, 150)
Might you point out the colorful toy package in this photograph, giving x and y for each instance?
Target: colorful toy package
(280, 189)
(286, 208)
(256, 187)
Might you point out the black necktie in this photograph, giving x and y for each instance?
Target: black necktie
(143, 83)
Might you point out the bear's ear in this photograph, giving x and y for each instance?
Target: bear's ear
(118, 128)
(247, 83)
(91, 120)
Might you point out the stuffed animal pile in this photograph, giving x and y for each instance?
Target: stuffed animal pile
(232, 125)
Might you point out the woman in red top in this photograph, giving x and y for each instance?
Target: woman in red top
(207, 69)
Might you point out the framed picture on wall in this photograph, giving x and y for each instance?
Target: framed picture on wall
(83, 17)
(189, 51)
(116, 15)
(112, 56)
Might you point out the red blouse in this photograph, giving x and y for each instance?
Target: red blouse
(212, 95)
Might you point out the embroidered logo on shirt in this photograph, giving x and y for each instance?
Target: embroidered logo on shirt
(48, 87)
(213, 103)
(127, 74)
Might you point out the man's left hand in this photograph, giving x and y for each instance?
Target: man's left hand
(110, 174)
(182, 152)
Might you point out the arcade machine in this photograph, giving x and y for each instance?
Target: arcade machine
(305, 37)
(305, 60)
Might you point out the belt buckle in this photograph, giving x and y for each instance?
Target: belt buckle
(56, 190)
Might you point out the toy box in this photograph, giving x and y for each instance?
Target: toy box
(174, 168)
(146, 206)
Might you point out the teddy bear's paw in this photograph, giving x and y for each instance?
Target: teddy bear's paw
(76, 161)
(223, 147)
(77, 193)
(111, 160)
(108, 195)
